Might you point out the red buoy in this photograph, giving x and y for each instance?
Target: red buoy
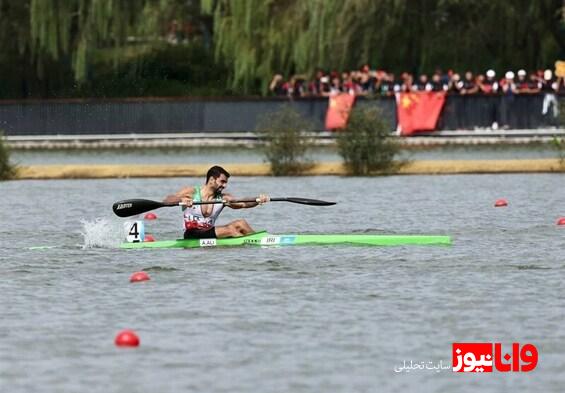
(561, 221)
(139, 277)
(127, 338)
(149, 238)
(150, 216)
(501, 203)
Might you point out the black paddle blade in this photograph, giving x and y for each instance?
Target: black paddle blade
(132, 207)
(304, 201)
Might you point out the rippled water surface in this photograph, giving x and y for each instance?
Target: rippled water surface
(296, 319)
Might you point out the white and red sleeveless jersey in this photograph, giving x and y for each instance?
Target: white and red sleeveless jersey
(193, 217)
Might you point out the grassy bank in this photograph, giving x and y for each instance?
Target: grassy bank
(433, 167)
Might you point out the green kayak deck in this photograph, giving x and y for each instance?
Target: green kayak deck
(264, 239)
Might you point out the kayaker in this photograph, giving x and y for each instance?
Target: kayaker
(200, 220)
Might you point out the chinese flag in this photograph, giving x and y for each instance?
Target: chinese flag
(418, 111)
(338, 110)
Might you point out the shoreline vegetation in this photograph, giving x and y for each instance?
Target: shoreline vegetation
(7, 169)
(420, 167)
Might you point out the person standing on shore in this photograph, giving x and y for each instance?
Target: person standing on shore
(491, 105)
(200, 220)
(549, 88)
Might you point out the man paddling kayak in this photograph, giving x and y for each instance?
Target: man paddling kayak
(200, 220)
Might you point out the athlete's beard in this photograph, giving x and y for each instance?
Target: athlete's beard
(217, 186)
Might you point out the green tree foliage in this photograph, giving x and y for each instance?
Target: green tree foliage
(7, 170)
(72, 29)
(52, 46)
(164, 70)
(286, 141)
(559, 146)
(366, 145)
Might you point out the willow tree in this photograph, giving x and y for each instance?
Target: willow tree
(260, 37)
(74, 28)
(14, 41)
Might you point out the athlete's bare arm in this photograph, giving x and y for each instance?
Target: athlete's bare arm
(184, 196)
(244, 205)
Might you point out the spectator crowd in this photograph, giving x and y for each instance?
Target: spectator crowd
(508, 112)
(379, 82)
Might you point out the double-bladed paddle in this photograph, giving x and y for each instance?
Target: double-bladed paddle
(132, 207)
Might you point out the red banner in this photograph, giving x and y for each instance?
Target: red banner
(418, 111)
(339, 109)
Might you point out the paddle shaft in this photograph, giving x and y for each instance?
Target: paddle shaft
(132, 207)
(257, 201)
(302, 201)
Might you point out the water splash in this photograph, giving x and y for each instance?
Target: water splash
(101, 233)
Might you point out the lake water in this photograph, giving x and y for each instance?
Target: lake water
(295, 319)
(231, 155)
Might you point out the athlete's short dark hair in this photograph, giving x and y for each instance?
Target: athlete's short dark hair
(215, 172)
